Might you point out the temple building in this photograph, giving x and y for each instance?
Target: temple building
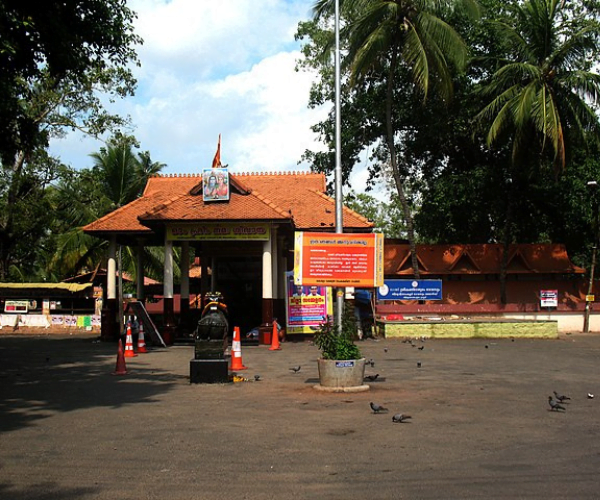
(241, 227)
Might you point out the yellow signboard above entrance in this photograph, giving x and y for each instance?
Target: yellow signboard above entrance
(218, 231)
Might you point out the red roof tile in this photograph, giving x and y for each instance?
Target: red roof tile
(478, 259)
(294, 197)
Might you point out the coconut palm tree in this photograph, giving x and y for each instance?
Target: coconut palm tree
(544, 88)
(117, 178)
(384, 35)
(544, 92)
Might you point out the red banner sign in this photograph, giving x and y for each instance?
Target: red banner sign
(339, 260)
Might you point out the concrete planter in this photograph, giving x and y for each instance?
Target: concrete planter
(342, 376)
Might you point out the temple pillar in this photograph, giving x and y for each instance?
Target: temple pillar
(169, 324)
(266, 326)
(139, 273)
(110, 327)
(184, 265)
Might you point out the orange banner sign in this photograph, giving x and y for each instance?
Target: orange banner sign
(339, 259)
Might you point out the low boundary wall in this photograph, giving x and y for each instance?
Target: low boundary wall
(568, 319)
(468, 329)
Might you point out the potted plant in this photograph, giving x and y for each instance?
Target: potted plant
(341, 365)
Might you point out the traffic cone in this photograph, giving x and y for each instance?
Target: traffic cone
(129, 343)
(236, 351)
(275, 338)
(141, 345)
(121, 368)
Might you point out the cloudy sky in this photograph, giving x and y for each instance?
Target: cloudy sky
(210, 68)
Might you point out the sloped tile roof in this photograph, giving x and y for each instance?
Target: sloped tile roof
(478, 259)
(297, 198)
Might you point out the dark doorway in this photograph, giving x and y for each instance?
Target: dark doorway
(239, 279)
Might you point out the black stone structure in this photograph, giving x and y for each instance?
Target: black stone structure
(209, 365)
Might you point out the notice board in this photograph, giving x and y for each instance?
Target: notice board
(339, 260)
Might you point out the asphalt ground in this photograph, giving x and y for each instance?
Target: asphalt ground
(481, 425)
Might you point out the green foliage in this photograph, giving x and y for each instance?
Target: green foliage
(387, 218)
(534, 59)
(118, 177)
(338, 343)
(57, 41)
(58, 63)
(544, 91)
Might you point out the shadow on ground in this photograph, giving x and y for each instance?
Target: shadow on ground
(39, 378)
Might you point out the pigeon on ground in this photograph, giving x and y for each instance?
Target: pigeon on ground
(418, 364)
(400, 417)
(590, 395)
(377, 408)
(371, 362)
(554, 405)
(372, 377)
(256, 378)
(295, 369)
(385, 349)
(421, 347)
(560, 397)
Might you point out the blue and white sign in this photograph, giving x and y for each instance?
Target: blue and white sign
(410, 290)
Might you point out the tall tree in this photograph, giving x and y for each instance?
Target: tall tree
(381, 36)
(544, 94)
(545, 88)
(386, 218)
(118, 177)
(60, 40)
(53, 107)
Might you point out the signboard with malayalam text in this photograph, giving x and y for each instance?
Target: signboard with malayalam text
(307, 306)
(339, 260)
(410, 290)
(219, 231)
(549, 298)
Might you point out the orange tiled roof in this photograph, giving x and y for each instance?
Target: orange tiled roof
(478, 259)
(298, 198)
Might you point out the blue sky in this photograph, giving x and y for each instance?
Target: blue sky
(210, 68)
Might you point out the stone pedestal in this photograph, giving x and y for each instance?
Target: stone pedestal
(208, 371)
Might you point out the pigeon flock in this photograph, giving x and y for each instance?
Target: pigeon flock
(557, 402)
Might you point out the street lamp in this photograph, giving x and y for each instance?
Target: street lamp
(588, 302)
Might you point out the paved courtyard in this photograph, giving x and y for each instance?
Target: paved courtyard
(481, 426)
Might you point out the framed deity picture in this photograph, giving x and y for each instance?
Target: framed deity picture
(215, 184)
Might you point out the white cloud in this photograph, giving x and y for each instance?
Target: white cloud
(211, 68)
(202, 39)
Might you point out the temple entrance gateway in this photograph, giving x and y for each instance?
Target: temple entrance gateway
(245, 238)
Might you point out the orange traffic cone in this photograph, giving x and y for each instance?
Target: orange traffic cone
(141, 346)
(236, 351)
(275, 338)
(121, 368)
(129, 343)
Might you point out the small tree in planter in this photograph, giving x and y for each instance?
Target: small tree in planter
(338, 343)
(341, 364)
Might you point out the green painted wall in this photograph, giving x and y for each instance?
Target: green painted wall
(494, 329)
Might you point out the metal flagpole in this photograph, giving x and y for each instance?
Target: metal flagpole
(339, 222)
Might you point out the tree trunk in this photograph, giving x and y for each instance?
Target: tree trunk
(6, 229)
(506, 237)
(398, 181)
